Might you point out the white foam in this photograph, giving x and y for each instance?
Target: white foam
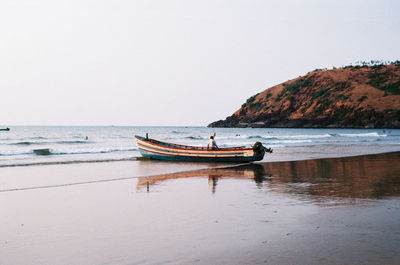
(90, 151)
(16, 153)
(372, 134)
(309, 136)
(294, 141)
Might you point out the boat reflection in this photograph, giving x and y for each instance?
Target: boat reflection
(369, 176)
(254, 172)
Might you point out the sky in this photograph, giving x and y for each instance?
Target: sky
(170, 62)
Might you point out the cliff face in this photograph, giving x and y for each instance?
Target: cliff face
(349, 97)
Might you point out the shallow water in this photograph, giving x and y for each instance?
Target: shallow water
(359, 177)
(324, 211)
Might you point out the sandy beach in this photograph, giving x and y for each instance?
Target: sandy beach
(322, 211)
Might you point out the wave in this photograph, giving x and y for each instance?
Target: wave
(16, 153)
(235, 144)
(294, 137)
(92, 151)
(23, 139)
(42, 152)
(49, 151)
(38, 138)
(294, 141)
(24, 143)
(309, 136)
(40, 143)
(72, 142)
(315, 136)
(372, 134)
(288, 137)
(255, 137)
(69, 162)
(195, 138)
(177, 132)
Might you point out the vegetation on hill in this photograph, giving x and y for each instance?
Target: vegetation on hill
(366, 95)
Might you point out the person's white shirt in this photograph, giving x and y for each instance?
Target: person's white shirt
(212, 144)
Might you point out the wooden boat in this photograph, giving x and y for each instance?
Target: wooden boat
(6, 129)
(155, 149)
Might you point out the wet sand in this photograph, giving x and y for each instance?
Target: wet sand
(323, 211)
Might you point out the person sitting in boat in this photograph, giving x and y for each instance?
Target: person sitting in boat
(212, 144)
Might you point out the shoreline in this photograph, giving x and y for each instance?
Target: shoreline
(329, 157)
(148, 170)
(144, 159)
(284, 172)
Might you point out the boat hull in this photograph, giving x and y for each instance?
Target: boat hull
(158, 150)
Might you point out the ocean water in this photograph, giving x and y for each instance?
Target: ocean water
(41, 145)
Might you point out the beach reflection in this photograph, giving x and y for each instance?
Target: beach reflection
(369, 176)
(252, 172)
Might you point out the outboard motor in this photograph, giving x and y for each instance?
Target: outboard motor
(259, 149)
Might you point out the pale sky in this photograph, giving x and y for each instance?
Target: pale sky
(170, 62)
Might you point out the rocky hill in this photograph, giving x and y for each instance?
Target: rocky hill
(362, 96)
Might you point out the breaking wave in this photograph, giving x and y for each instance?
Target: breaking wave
(69, 162)
(372, 134)
(287, 137)
(24, 143)
(72, 142)
(177, 132)
(49, 151)
(16, 153)
(41, 143)
(196, 138)
(91, 151)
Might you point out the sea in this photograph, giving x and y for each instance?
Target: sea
(46, 145)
